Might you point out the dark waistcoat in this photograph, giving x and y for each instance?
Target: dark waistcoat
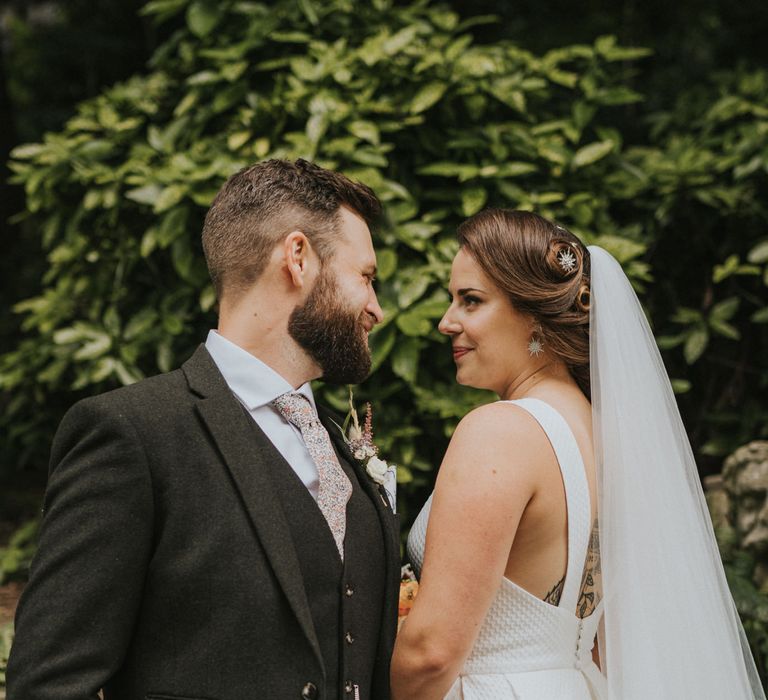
(345, 600)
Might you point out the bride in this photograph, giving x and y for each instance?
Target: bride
(566, 551)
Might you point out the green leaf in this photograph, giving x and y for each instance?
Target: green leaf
(397, 42)
(516, 168)
(411, 288)
(202, 17)
(760, 316)
(416, 233)
(164, 356)
(725, 270)
(28, 151)
(172, 225)
(686, 315)
(139, 324)
(290, 37)
(381, 343)
(724, 310)
(444, 169)
(759, 254)
(207, 298)
(126, 375)
(427, 96)
(405, 358)
(148, 242)
(237, 140)
(583, 113)
(93, 348)
(667, 342)
(308, 8)
(162, 8)
(725, 329)
(434, 307)
(413, 324)
(316, 126)
(169, 197)
(695, 344)
(148, 194)
(368, 131)
(65, 336)
(591, 153)
(401, 212)
(386, 260)
(173, 324)
(472, 200)
(183, 259)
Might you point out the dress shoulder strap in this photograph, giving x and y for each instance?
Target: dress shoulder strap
(577, 498)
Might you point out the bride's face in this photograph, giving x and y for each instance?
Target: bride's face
(489, 337)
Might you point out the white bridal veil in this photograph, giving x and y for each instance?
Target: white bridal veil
(671, 629)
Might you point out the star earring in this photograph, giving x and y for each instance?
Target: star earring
(535, 346)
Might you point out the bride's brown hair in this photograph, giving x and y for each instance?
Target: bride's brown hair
(544, 271)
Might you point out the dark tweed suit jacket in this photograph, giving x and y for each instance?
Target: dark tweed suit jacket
(166, 568)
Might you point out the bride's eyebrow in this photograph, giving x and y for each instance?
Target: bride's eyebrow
(467, 290)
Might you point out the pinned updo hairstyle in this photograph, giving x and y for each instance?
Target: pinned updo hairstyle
(544, 271)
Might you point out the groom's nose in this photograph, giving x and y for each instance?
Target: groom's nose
(373, 307)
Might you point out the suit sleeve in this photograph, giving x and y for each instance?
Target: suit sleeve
(76, 615)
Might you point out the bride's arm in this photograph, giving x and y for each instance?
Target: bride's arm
(486, 480)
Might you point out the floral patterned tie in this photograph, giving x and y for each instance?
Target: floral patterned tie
(334, 488)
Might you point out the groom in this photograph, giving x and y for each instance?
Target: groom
(204, 535)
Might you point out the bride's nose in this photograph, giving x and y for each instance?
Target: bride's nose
(448, 324)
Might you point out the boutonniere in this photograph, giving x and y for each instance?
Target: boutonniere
(359, 439)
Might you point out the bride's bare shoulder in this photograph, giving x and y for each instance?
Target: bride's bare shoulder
(501, 419)
(496, 437)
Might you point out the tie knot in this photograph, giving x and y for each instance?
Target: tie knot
(295, 408)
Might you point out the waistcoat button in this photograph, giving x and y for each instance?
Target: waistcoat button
(349, 638)
(348, 687)
(349, 591)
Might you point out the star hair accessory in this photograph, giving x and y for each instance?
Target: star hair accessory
(567, 260)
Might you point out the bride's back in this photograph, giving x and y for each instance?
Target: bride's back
(539, 553)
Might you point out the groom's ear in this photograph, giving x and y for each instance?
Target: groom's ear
(299, 258)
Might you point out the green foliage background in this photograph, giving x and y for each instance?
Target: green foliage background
(408, 99)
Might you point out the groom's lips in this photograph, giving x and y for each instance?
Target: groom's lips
(459, 351)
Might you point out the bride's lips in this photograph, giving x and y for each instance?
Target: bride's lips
(459, 351)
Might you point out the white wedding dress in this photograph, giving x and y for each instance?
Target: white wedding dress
(528, 649)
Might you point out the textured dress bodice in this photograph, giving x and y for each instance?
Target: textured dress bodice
(526, 648)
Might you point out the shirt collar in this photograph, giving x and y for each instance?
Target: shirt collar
(253, 382)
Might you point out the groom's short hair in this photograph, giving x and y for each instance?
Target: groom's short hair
(261, 204)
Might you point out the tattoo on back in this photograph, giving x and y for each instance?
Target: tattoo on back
(553, 597)
(591, 582)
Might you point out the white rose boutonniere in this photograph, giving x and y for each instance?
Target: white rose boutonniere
(377, 469)
(359, 439)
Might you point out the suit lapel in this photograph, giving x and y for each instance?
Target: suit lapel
(243, 455)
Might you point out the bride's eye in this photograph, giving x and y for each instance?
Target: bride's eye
(470, 300)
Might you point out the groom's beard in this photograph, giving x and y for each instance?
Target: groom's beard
(333, 336)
